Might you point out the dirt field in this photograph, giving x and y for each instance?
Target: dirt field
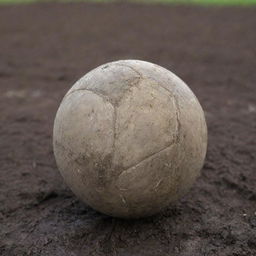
(45, 48)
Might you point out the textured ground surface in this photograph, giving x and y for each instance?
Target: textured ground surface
(45, 48)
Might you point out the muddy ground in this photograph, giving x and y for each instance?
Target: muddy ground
(44, 48)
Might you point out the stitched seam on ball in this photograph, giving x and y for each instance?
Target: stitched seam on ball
(146, 158)
(103, 97)
(177, 110)
(114, 135)
(134, 83)
(137, 81)
(172, 97)
(132, 68)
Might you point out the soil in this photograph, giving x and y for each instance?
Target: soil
(45, 48)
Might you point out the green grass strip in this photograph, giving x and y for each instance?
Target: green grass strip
(202, 2)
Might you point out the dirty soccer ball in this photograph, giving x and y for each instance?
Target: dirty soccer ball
(129, 138)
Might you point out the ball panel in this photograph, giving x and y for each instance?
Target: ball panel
(111, 80)
(190, 117)
(84, 122)
(145, 123)
(155, 72)
(193, 136)
(162, 76)
(150, 185)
